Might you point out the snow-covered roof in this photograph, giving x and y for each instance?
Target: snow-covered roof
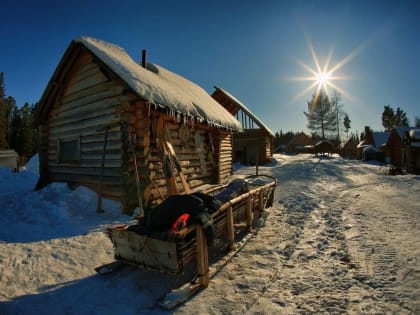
(380, 138)
(362, 144)
(247, 110)
(161, 87)
(401, 131)
(415, 134)
(322, 142)
(343, 144)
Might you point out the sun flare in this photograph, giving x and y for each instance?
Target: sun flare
(323, 77)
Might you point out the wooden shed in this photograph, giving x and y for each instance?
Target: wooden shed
(300, 143)
(394, 148)
(412, 140)
(324, 147)
(254, 145)
(348, 149)
(134, 132)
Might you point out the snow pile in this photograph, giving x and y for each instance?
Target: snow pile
(162, 87)
(32, 165)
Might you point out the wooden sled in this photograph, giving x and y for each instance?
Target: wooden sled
(171, 252)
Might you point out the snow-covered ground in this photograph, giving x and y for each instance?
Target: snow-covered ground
(342, 237)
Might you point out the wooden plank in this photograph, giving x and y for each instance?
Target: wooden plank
(86, 82)
(76, 170)
(145, 250)
(230, 227)
(106, 106)
(92, 94)
(202, 257)
(249, 216)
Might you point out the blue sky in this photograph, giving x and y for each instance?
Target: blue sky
(249, 48)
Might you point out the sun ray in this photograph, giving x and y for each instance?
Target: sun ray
(323, 77)
(313, 53)
(305, 91)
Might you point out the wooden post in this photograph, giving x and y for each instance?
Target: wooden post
(249, 215)
(202, 257)
(261, 200)
(230, 227)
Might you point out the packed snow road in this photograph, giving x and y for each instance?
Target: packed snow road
(342, 238)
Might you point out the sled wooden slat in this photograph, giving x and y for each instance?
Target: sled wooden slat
(230, 227)
(202, 257)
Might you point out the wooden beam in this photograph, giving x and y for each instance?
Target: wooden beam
(202, 257)
(230, 227)
(249, 216)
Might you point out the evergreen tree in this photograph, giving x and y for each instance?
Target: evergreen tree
(346, 122)
(388, 118)
(3, 116)
(23, 139)
(320, 115)
(392, 119)
(15, 137)
(417, 122)
(400, 118)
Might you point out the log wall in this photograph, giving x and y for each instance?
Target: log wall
(252, 146)
(88, 101)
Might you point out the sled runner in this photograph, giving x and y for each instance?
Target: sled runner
(192, 231)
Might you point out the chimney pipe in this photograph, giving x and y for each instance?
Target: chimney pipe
(143, 58)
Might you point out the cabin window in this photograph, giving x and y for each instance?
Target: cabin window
(69, 150)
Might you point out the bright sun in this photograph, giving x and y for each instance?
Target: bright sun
(323, 78)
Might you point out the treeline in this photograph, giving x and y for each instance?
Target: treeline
(16, 126)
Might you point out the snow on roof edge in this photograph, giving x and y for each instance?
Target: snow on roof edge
(162, 87)
(249, 112)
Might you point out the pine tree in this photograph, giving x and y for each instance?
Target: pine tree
(417, 122)
(321, 116)
(400, 118)
(391, 119)
(3, 116)
(388, 117)
(346, 122)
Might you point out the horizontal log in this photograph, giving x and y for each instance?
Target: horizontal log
(92, 94)
(85, 82)
(102, 118)
(79, 130)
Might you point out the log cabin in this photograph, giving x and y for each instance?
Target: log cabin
(301, 143)
(348, 149)
(254, 145)
(412, 141)
(390, 143)
(324, 147)
(133, 132)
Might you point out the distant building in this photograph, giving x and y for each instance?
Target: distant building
(324, 147)
(301, 143)
(390, 144)
(254, 145)
(348, 149)
(412, 141)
